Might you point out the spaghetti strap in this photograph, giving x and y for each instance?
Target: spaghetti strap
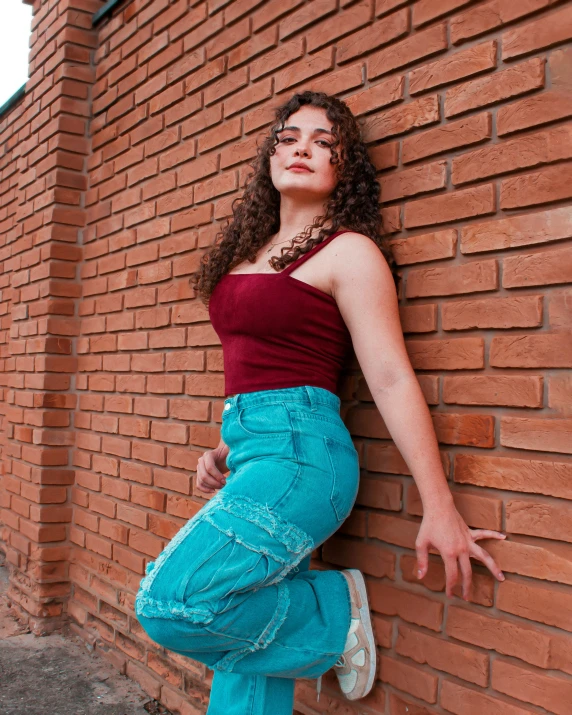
(304, 257)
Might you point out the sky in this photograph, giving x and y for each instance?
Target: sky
(15, 27)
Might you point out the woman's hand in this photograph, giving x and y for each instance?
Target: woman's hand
(210, 469)
(446, 531)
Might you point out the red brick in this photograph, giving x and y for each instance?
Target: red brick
(534, 558)
(476, 201)
(417, 180)
(470, 130)
(542, 268)
(385, 156)
(528, 151)
(454, 280)
(460, 700)
(500, 86)
(549, 434)
(532, 111)
(542, 519)
(304, 71)
(539, 227)
(426, 10)
(506, 390)
(525, 351)
(559, 309)
(516, 312)
(560, 394)
(384, 494)
(551, 692)
(402, 119)
(380, 95)
(409, 679)
(457, 354)
(466, 663)
(543, 32)
(382, 7)
(369, 558)
(410, 606)
(282, 55)
(521, 475)
(425, 247)
(370, 38)
(489, 15)
(393, 530)
(550, 184)
(536, 603)
(506, 637)
(412, 49)
(472, 61)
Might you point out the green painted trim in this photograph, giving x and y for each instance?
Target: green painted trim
(104, 11)
(14, 99)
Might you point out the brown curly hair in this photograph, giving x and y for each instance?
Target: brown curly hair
(353, 204)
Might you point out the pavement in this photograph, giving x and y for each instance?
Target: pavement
(58, 675)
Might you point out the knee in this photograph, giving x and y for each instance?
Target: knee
(155, 628)
(166, 621)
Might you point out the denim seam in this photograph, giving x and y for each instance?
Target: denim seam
(150, 607)
(228, 662)
(289, 535)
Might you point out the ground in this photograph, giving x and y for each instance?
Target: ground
(57, 675)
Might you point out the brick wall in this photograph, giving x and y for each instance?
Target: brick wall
(116, 169)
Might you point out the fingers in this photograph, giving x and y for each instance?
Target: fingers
(479, 553)
(422, 559)
(477, 534)
(209, 478)
(467, 575)
(451, 574)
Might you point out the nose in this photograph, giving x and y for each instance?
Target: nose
(302, 148)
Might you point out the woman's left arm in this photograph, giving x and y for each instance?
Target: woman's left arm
(364, 290)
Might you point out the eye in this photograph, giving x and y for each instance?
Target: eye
(286, 140)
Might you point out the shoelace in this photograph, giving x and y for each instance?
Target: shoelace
(340, 663)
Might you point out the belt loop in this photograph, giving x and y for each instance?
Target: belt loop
(312, 398)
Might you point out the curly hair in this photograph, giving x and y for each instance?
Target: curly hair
(354, 203)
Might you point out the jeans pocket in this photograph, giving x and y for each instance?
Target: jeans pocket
(265, 421)
(344, 465)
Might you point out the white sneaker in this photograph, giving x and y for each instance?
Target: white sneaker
(356, 667)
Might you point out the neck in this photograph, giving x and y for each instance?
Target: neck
(296, 217)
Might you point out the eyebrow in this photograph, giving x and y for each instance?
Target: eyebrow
(319, 130)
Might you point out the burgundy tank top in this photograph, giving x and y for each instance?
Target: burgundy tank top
(277, 331)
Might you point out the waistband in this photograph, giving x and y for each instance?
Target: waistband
(306, 394)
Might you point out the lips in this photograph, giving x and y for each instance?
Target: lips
(299, 167)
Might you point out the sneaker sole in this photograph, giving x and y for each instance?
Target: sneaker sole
(366, 621)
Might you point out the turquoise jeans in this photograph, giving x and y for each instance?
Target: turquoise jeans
(233, 589)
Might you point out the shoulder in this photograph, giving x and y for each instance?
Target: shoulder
(358, 263)
(352, 251)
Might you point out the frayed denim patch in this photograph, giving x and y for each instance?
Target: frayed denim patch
(227, 663)
(288, 537)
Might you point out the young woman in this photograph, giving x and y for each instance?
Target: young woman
(233, 588)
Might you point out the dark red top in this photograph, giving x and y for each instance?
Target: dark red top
(277, 331)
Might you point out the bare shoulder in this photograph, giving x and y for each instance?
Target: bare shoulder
(355, 256)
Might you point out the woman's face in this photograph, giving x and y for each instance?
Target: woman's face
(306, 138)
